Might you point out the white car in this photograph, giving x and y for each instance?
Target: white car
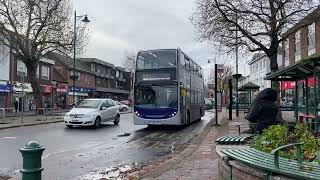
(122, 107)
(93, 112)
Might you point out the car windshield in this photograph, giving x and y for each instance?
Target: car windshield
(89, 103)
(157, 96)
(157, 59)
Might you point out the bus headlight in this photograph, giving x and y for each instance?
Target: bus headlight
(136, 112)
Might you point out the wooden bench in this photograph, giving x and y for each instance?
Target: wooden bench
(233, 139)
(301, 117)
(313, 126)
(273, 164)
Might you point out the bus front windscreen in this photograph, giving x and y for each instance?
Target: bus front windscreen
(156, 59)
(157, 97)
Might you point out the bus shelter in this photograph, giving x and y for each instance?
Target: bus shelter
(305, 74)
(245, 95)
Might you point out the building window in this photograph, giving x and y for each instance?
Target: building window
(117, 73)
(286, 52)
(279, 59)
(77, 74)
(93, 67)
(311, 39)
(21, 68)
(45, 72)
(298, 46)
(98, 83)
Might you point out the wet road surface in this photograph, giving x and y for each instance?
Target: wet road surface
(75, 153)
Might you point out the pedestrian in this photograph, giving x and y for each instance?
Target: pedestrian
(263, 111)
(15, 103)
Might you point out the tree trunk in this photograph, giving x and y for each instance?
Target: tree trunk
(32, 76)
(275, 84)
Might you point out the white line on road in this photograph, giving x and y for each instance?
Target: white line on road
(63, 151)
(8, 137)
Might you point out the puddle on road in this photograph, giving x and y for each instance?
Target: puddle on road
(124, 134)
(108, 173)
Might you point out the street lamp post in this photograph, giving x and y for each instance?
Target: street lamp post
(86, 20)
(237, 69)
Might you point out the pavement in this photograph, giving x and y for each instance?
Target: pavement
(89, 153)
(202, 162)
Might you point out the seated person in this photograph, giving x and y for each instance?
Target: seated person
(263, 111)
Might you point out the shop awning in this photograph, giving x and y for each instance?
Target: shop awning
(249, 86)
(297, 71)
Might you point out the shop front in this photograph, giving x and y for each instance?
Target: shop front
(5, 90)
(47, 96)
(27, 100)
(304, 92)
(60, 96)
(80, 93)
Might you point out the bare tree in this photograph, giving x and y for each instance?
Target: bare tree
(223, 78)
(33, 28)
(129, 65)
(260, 23)
(129, 61)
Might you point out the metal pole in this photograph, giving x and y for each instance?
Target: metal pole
(237, 102)
(22, 103)
(230, 99)
(74, 55)
(215, 92)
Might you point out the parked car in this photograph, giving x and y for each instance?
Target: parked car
(126, 102)
(122, 107)
(93, 112)
(209, 103)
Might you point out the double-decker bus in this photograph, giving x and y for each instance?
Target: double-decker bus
(168, 88)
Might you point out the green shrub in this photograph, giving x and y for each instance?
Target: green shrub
(278, 135)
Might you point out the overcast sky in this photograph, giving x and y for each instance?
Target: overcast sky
(117, 26)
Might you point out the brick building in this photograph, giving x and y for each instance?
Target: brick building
(111, 82)
(302, 43)
(19, 77)
(85, 86)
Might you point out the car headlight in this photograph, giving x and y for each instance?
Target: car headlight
(67, 115)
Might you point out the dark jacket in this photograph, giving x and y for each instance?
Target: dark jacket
(264, 110)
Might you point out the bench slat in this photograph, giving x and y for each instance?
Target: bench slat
(285, 160)
(255, 158)
(284, 165)
(300, 174)
(232, 139)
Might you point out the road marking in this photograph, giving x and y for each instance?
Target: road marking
(63, 151)
(8, 137)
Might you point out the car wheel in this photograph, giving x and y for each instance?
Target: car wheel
(97, 122)
(69, 126)
(116, 120)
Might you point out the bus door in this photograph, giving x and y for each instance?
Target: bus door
(183, 94)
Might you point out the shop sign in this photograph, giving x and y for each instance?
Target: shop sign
(17, 87)
(47, 89)
(220, 68)
(82, 89)
(5, 88)
(62, 88)
(287, 85)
